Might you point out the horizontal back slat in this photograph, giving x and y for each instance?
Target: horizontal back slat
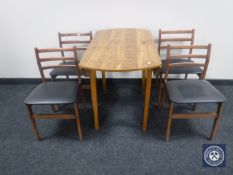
(188, 56)
(175, 39)
(55, 50)
(82, 48)
(76, 34)
(163, 47)
(176, 31)
(75, 42)
(186, 64)
(58, 66)
(56, 59)
(189, 47)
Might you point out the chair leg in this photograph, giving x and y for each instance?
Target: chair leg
(54, 108)
(216, 122)
(160, 91)
(159, 97)
(83, 98)
(194, 106)
(78, 124)
(33, 122)
(163, 98)
(158, 77)
(157, 81)
(53, 78)
(104, 82)
(169, 123)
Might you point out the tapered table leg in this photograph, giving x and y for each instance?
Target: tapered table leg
(94, 98)
(104, 82)
(147, 98)
(143, 80)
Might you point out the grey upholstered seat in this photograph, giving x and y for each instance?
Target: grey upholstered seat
(53, 93)
(193, 91)
(70, 71)
(181, 70)
(63, 71)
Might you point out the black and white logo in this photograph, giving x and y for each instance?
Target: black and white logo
(214, 155)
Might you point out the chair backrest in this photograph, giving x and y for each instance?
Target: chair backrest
(47, 58)
(175, 37)
(80, 40)
(202, 52)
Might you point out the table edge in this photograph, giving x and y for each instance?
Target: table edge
(122, 70)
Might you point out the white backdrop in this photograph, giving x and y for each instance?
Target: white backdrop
(25, 24)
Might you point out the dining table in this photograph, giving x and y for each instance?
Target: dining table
(121, 50)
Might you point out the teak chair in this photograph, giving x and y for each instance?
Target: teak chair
(191, 91)
(81, 41)
(54, 93)
(175, 37)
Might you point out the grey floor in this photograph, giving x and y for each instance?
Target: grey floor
(119, 147)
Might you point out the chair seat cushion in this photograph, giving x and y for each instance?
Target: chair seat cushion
(181, 70)
(68, 71)
(63, 92)
(193, 91)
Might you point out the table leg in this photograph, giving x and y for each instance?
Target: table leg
(94, 98)
(143, 80)
(104, 82)
(147, 98)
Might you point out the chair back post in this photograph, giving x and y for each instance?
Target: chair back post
(167, 62)
(39, 65)
(60, 44)
(206, 62)
(192, 40)
(91, 36)
(159, 41)
(76, 64)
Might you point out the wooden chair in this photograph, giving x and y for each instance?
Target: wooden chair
(175, 37)
(179, 37)
(81, 41)
(54, 93)
(191, 91)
